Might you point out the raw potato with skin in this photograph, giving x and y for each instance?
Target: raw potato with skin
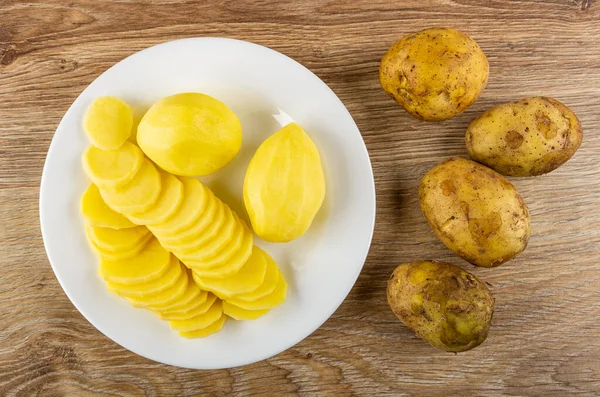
(528, 137)
(475, 211)
(445, 305)
(434, 74)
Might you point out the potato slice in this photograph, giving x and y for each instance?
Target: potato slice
(237, 313)
(238, 241)
(196, 310)
(109, 169)
(204, 332)
(190, 299)
(163, 297)
(168, 280)
(226, 266)
(275, 298)
(167, 204)
(247, 279)
(138, 195)
(201, 321)
(195, 204)
(268, 285)
(107, 122)
(97, 213)
(118, 240)
(150, 264)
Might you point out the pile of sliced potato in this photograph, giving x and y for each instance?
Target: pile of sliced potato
(169, 245)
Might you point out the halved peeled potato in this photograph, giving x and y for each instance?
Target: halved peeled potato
(107, 122)
(150, 264)
(109, 169)
(97, 213)
(167, 204)
(266, 302)
(237, 313)
(204, 332)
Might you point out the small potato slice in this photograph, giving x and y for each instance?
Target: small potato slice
(242, 239)
(237, 313)
(150, 264)
(195, 204)
(167, 204)
(275, 298)
(107, 122)
(109, 169)
(138, 195)
(247, 279)
(269, 283)
(121, 240)
(192, 295)
(204, 332)
(201, 321)
(163, 297)
(97, 213)
(168, 280)
(194, 311)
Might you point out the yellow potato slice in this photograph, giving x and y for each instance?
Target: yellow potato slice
(120, 255)
(150, 264)
(118, 240)
(163, 297)
(268, 285)
(204, 332)
(247, 279)
(194, 205)
(212, 242)
(275, 298)
(237, 313)
(197, 310)
(168, 280)
(201, 321)
(204, 228)
(167, 204)
(109, 169)
(190, 307)
(190, 299)
(97, 213)
(139, 194)
(107, 122)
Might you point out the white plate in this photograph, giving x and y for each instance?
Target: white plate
(257, 83)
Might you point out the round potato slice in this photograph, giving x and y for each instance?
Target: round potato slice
(168, 280)
(194, 205)
(97, 213)
(194, 311)
(167, 204)
(190, 299)
(107, 122)
(109, 169)
(204, 332)
(269, 283)
(275, 298)
(201, 321)
(150, 264)
(237, 313)
(163, 297)
(118, 240)
(138, 195)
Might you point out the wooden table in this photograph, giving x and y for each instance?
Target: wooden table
(545, 339)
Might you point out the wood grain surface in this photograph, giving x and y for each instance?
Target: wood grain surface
(545, 336)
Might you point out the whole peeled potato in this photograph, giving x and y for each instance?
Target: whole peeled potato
(434, 74)
(475, 211)
(528, 137)
(445, 305)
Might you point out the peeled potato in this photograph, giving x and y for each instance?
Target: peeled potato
(237, 313)
(168, 280)
(198, 322)
(167, 204)
(150, 264)
(190, 134)
(97, 213)
(284, 185)
(138, 195)
(109, 169)
(267, 302)
(194, 311)
(247, 279)
(121, 240)
(204, 332)
(268, 285)
(107, 122)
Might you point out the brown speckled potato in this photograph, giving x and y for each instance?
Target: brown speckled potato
(445, 305)
(529, 137)
(475, 211)
(434, 74)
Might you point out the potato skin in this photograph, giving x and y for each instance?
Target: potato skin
(475, 211)
(528, 137)
(445, 305)
(434, 74)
